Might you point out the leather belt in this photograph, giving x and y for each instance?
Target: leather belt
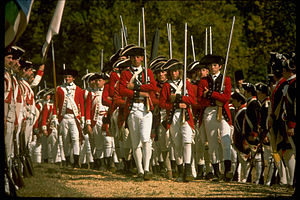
(69, 111)
(138, 101)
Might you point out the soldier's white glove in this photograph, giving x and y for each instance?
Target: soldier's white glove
(82, 123)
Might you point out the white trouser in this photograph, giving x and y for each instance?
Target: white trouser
(109, 146)
(181, 134)
(70, 134)
(140, 123)
(86, 151)
(99, 138)
(217, 131)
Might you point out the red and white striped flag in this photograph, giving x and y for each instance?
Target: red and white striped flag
(54, 25)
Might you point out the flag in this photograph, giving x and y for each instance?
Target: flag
(17, 14)
(54, 25)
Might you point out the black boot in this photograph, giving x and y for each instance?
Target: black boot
(76, 161)
(200, 172)
(161, 167)
(228, 175)
(68, 162)
(180, 173)
(216, 172)
(174, 171)
(111, 165)
(102, 166)
(188, 176)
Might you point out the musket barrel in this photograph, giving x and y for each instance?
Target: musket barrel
(145, 53)
(227, 54)
(123, 28)
(193, 48)
(210, 40)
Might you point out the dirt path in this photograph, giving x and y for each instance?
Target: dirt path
(93, 183)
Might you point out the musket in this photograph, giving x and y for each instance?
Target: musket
(210, 40)
(122, 38)
(205, 41)
(123, 30)
(139, 35)
(101, 61)
(145, 59)
(169, 38)
(54, 75)
(193, 48)
(219, 114)
(184, 69)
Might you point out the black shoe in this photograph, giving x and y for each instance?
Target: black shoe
(209, 176)
(187, 175)
(228, 176)
(147, 175)
(140, 177)
(84, 166)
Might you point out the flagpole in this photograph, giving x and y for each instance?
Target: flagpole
(54, 75)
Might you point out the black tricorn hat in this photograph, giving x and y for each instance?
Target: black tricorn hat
(125, 49)
(122, 63)
(172, 64)
(262, 88)
(210, 59)
(86, 76)
(16, 51)
(25, 64)
(249, 87)
(238, 75)
(133, 51)
(157, 66)
(95, 76)
(193, 66)
(157, 59)
(71, 72)
(115, 56)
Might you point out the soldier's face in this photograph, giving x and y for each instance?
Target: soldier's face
(99, 83)
(136, 60)
(162, 76)
(215, 68)
(8, 61)
(204, 72)
(175, 74)
(69, 78)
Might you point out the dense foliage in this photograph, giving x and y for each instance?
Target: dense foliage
(90, 25)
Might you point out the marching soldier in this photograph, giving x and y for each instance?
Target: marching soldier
(70, 115)
(11, 88)
(86, 156)
(289, 116)
(138, 115)
(263, 95)
(198, 72)
(181, 132)
(49, 125)
(161, 136)
(118, 123)
(251, 126)
(239, 143)
(278, 139)
(213, 101)
(95, 113)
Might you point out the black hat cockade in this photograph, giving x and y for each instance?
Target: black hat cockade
(210, 59)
